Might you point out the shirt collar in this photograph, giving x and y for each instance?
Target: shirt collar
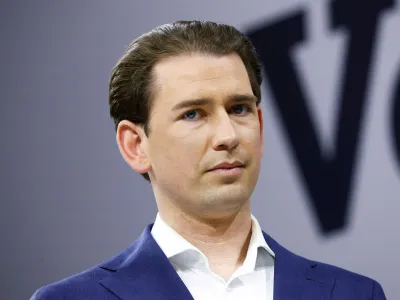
(259, 254)
(173, 244)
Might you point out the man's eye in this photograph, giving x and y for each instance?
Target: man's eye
(191, 115)
(241, 109)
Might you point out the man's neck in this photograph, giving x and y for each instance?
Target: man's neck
(224, 241)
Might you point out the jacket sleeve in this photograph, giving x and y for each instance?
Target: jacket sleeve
(378, 293)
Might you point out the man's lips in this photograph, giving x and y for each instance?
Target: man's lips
(227, 166)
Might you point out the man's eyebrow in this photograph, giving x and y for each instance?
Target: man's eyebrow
(204, 101)
(191, 102)
(243, 98)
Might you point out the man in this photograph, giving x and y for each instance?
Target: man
(185, 101)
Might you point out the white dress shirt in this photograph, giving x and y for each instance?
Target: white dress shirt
(253, 280)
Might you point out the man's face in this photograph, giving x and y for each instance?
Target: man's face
(204, 113)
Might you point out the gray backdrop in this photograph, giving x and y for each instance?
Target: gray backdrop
(68, 201)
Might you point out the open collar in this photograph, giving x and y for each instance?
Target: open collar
(143, 271)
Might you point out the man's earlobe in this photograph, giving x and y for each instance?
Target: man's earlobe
(131, 142)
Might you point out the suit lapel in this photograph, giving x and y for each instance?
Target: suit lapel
(296, 278)
(144, 272)
(318, 286)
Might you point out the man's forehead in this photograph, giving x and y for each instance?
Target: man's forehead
(192, 76)
(191, 66)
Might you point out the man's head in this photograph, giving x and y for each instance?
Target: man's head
(185, 98)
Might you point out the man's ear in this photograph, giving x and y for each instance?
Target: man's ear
(132, 143)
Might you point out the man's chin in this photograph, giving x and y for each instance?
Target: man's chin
(226, 199)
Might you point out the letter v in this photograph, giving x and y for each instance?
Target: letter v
(328, 180)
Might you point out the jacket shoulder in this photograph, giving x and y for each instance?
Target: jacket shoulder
(352, 283)
(83, 285)
(346, 283)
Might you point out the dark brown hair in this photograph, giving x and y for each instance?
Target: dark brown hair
(130, 83)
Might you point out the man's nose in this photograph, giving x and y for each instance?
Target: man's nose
(225, 136)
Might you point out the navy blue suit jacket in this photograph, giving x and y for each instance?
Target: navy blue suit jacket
(143, 272)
